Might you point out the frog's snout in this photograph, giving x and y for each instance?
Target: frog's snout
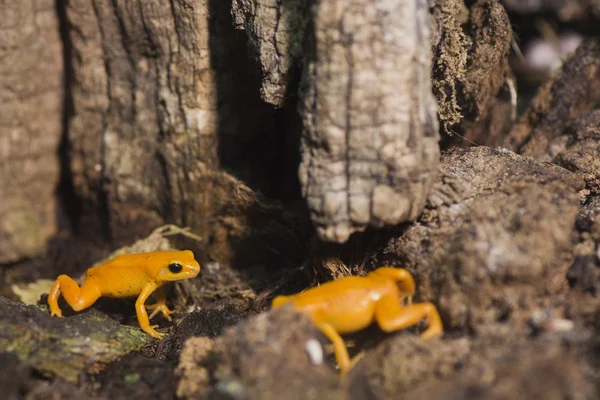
(193, 270)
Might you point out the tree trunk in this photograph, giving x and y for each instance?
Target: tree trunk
(370, 143)
(164, 98)
(173, 115)
(30, 126)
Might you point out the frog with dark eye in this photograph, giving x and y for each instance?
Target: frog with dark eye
(352, 303)
(128, 275)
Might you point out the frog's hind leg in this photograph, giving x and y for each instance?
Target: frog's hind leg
(390, 316)
(339, 347)
(160, 305)
(78, 298)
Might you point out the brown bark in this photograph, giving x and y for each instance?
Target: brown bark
(571, 93)
(164, 96)
(275, 30)
(472, 81)
(370, 141)
(30, 122)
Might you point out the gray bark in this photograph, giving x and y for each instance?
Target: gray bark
(370, 142)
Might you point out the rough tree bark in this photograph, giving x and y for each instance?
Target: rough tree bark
(346, 96)
(168, 109)
(30, 126)
(370, 143)
(164, 96)
(135, 103)
(472, 80)
(275, 30)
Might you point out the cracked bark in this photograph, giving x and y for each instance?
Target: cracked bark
(129, 113)
(275, 30)
(30, 105)
(164, 97)
(370, 141)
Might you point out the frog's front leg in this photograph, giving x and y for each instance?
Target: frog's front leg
(160, 305)
(140, 310)
(339, 347)
(79, 298)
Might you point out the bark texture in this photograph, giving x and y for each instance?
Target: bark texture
(30, 119)
(370, 142)
(495, 240)
(472, 80)
(164, 96)
(571, 93)
(275, 30)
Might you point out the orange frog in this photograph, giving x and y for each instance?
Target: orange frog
(352, 303)
(128, 275)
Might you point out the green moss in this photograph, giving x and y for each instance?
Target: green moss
(65, 347)
(450, 63)
(131, 379)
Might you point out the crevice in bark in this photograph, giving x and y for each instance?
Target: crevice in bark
(126, 40)
(103, 207)
(70, 204)
(248, 155)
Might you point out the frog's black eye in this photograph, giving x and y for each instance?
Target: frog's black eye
(175, 268)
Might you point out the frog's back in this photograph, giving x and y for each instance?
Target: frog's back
(348, 304)
(123, 261)
(343, 292)
(150, 261)
(122, 276)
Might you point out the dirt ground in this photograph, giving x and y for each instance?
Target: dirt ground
(507, 248)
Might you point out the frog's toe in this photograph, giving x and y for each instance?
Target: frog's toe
(150, 330)
(163, 309)
(57, 314)
(354, 361)
(153, 313)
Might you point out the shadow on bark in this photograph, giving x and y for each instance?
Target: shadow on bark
(259, 145)
(70, 204)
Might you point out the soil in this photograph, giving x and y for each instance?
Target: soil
(507, 248)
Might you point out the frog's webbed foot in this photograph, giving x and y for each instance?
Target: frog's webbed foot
(159, 307)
